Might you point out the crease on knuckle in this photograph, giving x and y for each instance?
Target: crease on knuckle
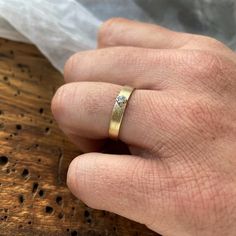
(92, 107)
(212, 70)
(210, 119)
(209, 63)
(130, 56)
(203, 117)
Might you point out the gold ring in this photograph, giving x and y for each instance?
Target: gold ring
(118, 111)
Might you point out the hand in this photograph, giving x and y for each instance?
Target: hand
(179, 125)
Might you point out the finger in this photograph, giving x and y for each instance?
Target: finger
(124, 32)
(120, 31)
(123, 184)
(85, 108)
(137, 67)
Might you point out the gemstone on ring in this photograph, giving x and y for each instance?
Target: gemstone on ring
(121, 100)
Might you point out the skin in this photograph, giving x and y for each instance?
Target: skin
(179, 126)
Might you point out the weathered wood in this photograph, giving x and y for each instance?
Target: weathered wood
(34, 156)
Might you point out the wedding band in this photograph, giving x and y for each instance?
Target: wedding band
(118, 111)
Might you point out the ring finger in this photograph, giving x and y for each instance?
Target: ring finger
(84, 109)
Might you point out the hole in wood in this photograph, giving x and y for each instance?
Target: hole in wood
(86, 214)
(41, 110)
(25, 173)
(47, 130)
(3, 160)
(35, 187)
(89, 221)
(21, 199)
(60, 215)
(48, 209)
(74, 233)
(18, 127)
(41, 193)
(59, 200)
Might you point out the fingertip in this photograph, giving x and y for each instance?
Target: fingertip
(55, 106)
(76, 175)
(71, 176)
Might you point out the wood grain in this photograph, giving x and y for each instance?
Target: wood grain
(34, 156)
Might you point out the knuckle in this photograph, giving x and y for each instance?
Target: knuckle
(212, 70)
(69, 65)
(63, 96)
(78, 66)
(201, 114)
(92, 106)
(105, 33)
(57, 101)
(128, 56)
(207, 62)
(209, 41)
(206, 117)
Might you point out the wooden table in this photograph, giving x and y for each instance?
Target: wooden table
(34, 156)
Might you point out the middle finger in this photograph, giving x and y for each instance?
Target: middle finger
(137, 67)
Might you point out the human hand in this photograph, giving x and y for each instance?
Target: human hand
(179, 125)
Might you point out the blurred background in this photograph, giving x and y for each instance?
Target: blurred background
(60, 28)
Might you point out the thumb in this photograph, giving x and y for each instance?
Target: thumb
(124, 184)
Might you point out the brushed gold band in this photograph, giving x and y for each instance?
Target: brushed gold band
(118, 111)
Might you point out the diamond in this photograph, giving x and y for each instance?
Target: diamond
(121, 100)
